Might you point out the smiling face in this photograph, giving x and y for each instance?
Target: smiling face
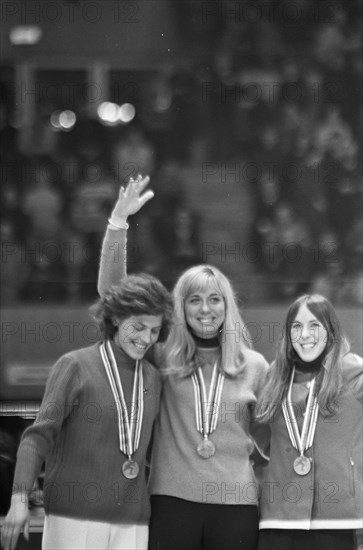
(205, 311)
(136, 334)
(308, 335)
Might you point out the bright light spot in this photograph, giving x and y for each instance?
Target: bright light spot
(126, 113)
(67, 119)
(25, 35)
(54, 120)
(108, 112)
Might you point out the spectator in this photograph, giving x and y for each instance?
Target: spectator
(293, 260)
(14, 267)
(91, 203)
(132, 155)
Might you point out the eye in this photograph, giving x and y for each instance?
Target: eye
(216, 299)
(295, 326)
(193, 300)
(155, 330)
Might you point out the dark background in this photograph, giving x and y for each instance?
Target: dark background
(248, 120)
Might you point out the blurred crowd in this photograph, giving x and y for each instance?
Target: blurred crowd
(275, 86)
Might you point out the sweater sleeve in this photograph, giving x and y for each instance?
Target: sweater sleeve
(61, 395)
(260, 431)
(113, 259)
(353, 370)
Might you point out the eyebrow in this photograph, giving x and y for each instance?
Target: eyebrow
(296, 322)
(140, 324)
(196, 295)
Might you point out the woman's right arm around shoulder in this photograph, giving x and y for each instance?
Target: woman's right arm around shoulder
(114, 247)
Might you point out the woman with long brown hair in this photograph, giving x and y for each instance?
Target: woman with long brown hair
(312, 492)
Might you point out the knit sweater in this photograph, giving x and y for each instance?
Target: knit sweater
(176, 467)
(330, 495)
(76, 434)
(228, 476)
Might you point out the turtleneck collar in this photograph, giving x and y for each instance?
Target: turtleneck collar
(123, 360)
(205, 343)
(308, 366)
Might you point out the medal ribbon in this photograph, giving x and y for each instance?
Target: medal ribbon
(129, 430)
(305, 440)
(206, 416)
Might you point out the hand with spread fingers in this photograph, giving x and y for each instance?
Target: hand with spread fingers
(130, 200)
(16, 520)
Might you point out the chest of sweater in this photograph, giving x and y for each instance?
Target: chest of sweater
(233, 413)
(86, 452)
(91, 420)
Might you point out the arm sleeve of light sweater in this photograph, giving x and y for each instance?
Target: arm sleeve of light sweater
(260, 431)
(61, 394)
(113, 268)
(113, 262)
(353, 365)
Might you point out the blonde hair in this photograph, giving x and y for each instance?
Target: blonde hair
(180, 347)
(329, 378)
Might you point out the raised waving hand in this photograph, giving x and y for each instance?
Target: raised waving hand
(130, 200)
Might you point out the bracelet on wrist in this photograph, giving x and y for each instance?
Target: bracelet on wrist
(117, 223)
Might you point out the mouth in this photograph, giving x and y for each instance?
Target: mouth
(206, 320)
(308, 346)
(140, 347)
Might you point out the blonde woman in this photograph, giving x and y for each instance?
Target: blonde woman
(204, 490)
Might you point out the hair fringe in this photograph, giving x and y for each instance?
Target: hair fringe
(180, 348)
(329, 380)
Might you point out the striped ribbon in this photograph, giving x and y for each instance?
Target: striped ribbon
(129, 427)
(304, 440)
(206, 408)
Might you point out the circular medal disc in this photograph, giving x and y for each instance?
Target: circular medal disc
(302, 465)
(206, 448)
(130, 469)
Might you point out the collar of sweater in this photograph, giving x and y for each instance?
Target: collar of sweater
(123, 361)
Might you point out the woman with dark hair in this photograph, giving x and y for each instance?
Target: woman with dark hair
(312, 492)
(94, 428)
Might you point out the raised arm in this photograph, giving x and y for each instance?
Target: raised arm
(114, 247)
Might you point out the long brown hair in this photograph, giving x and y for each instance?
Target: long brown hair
(329, 378)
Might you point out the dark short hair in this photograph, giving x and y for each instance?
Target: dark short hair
(139, 294)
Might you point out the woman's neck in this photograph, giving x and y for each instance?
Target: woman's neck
(205, 342)
(311, 367)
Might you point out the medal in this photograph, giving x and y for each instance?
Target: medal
(303, 441)
(206, 449)
(129, 426)
(206, 409)
(302, 465)
(130, 469)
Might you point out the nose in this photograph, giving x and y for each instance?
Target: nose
(146, 337)
(204, 306)
(305, 332)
